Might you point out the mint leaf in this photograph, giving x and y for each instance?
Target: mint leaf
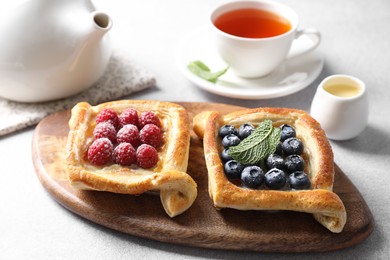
(201, 70)
(261, 143)
(274, 139)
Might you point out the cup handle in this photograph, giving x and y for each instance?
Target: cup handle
(302, 45)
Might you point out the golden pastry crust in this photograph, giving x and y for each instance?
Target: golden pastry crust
(177, 189)
(325, 205)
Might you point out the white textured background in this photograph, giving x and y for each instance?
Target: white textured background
(356, 37)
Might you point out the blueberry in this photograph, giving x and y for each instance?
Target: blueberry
(279, 150)
(293, 163)
(252, 176)
(299, 180)
(245, 130)
(292, 146)
(230, 140)
(226, 130)
(275, 179)
(287, 132)
(225, 155)
(233, 169)
(275, 161)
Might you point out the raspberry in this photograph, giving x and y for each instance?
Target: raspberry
(147, 156)
(129, 116)
(100, 151)
(148, 118)
(128, 134)
(109, 115)
(105, 129)
(151, 134)
(124, 154)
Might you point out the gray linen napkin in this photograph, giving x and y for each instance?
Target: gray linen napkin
(121, 78)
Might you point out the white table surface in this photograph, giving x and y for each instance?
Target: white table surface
(356, 41)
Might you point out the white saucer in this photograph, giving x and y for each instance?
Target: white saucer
(293, 75)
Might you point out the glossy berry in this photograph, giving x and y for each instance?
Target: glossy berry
(128, 116)
(128, 134)
(230, 140)
(299, 180)
(109, 115)
(148, 118)
(293, 163)
(252, 176)
(100, 151)
(274, 161)
(105, 129)
(226, 130)
(287, 132)
(245, 130)
(147, 156)
(275, 179)
(151, 134)
(225, 155)
(233, 169)
(292, 146)
(124, 154)
(279, 149)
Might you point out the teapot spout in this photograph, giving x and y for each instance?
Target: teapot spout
(102, 23)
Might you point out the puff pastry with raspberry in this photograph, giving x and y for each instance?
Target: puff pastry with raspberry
(176, 188)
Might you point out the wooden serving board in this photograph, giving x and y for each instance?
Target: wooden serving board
(202, 225)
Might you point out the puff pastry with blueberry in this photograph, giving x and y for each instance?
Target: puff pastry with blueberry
(270, 159)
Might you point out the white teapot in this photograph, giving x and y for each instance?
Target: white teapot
(51, 49)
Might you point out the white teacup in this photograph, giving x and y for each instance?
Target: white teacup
(340, 105)
(256, 56)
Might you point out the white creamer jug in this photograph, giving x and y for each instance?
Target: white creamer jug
(52, 49)
(340, 105)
